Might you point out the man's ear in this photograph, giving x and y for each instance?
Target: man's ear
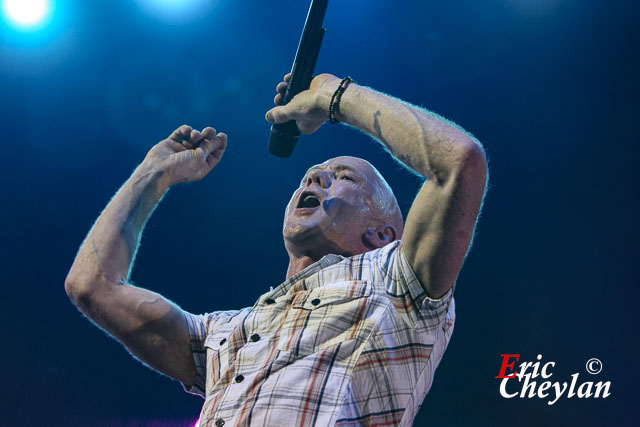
(377, 237)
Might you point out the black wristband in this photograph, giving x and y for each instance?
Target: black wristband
(334, 105)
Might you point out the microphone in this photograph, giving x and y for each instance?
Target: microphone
(284, 136)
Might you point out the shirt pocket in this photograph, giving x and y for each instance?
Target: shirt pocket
(325, 316)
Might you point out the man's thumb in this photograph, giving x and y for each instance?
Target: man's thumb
(277, 115)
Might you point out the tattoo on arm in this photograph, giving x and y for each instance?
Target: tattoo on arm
(404, 159)
(376, 125)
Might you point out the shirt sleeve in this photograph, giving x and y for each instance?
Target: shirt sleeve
(403, 285)
(197, 335)
(200, 327)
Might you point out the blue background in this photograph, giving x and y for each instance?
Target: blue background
(549, 87)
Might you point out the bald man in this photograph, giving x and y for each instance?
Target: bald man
(355, 332)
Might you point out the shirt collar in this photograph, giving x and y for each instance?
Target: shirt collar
(284, 287)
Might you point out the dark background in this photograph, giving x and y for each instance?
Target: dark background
(549, 87)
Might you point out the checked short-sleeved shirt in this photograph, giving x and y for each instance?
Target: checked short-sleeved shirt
(347, 341)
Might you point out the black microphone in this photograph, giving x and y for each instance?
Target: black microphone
(285, 135)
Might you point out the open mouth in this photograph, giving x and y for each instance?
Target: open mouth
(308, 200)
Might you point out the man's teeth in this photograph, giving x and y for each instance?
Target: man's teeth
(310, 201)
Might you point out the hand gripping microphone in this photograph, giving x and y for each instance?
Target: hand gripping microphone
(285, 135)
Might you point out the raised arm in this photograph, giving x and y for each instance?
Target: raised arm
(440, 224)
(149, 326)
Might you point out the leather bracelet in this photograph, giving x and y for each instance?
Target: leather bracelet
(334, 105)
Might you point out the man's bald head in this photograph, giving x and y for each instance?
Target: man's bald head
(385, 206)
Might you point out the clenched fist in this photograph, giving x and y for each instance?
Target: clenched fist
(188, 155)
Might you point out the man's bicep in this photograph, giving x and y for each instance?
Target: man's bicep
(439, 229)
(150, 326)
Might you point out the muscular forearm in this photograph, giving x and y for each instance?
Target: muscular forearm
(149, 325)
(422, 140)
(108, 252)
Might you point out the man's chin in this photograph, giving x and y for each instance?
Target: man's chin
(297, 230)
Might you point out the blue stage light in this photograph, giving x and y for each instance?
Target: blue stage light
(174, 10)
(26, 13)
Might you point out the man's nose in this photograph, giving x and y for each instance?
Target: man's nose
(319, 177)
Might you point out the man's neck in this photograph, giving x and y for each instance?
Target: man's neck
(296, 265)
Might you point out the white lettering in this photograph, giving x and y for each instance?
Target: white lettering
(528, 386)
(536, 366)
(550, 390)
(523, 368)
(541, 390)
(582, 393)
(503, 389)
(574, 379)
(600, 386)
(559, 392)
(544, 369)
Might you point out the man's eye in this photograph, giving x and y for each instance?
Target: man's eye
(346, 177)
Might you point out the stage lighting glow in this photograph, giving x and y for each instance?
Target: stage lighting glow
(174, 10)
(26, 13)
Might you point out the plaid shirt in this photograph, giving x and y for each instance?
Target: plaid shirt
(347, 341)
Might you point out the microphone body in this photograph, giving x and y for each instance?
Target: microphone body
(284, 136)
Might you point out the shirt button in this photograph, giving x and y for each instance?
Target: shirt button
(269, 301)
(239, 378)
(219, 422)
(224, 340)
(315, 301)
(255, 337)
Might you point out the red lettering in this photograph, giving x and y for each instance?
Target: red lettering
(505, 365)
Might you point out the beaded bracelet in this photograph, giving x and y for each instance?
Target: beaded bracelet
(334, 105)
